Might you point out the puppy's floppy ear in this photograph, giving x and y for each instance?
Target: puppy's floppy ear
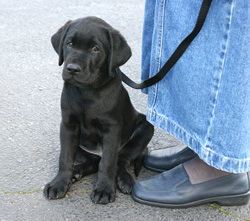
(57, 41)
(119, 51)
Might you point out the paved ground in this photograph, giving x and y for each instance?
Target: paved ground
(30, 88)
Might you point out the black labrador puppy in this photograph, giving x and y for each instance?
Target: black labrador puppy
(100, 129)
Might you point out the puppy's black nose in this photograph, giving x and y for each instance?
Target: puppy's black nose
(73, 68)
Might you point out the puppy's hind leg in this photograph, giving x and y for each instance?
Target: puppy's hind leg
(135, 150)
(85, 164)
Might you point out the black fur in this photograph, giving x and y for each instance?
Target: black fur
(97, 113)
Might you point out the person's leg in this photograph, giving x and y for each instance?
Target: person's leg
(198, 171)
(202, 102)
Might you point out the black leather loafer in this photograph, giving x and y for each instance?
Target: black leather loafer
(173, 189)
(168, 158)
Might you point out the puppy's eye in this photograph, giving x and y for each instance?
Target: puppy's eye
(95, 49)
(70, 44)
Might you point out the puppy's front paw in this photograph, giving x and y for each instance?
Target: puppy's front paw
(125, 182)
(56, 189)
(103, 195)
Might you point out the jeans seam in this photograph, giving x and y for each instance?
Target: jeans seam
(159, 52)
(217, 82)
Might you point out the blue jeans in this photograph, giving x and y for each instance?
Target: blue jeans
(204, 99)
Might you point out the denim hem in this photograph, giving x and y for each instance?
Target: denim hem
(212, 158)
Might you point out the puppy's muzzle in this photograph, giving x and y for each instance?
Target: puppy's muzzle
(73, 69)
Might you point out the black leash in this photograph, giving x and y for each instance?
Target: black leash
(177, 53)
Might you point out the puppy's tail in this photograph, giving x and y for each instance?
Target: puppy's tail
(138, 162)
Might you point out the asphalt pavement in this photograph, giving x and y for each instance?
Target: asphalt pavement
(30, 89)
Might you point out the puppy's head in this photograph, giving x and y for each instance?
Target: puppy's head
(91, 50)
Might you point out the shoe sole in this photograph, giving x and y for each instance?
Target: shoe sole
(234, 200)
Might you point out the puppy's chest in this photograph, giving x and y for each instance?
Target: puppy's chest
(94, 125)
(94, 116)
(91, 137)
